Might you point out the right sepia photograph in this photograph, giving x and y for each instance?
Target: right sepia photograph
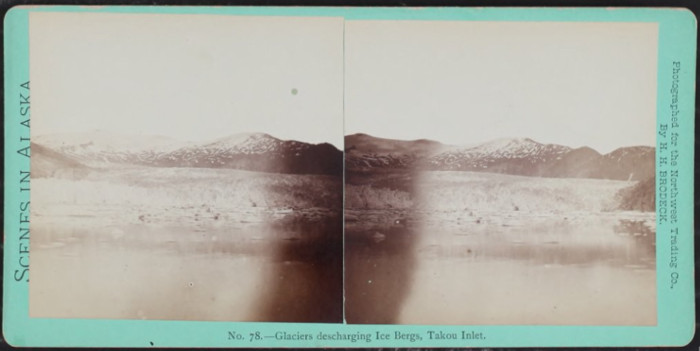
(500, 173)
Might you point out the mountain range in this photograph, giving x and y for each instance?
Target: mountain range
(517, 156)
(246, 151)
(363, 153)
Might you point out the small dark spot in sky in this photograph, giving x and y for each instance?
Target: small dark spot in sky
(295, 91)
(151, 342)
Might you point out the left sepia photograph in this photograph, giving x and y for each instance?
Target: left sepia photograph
(186, 167)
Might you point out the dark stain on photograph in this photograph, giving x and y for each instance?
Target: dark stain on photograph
(380, 227)
(244, 228)
(511, 231)
(306, 285)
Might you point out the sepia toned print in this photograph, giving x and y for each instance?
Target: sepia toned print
(193, 175)
(511, 178)
(288, 169)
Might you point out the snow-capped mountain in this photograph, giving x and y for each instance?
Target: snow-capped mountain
(100, 147)
(265, 153)
(258, 152)
(247, 151)
(518, 156)
(246, 143)
(514, 156)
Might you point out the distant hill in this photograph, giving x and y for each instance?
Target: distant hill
(633, 163)
(517, 156)
(48, 163)
(365, 152)
(246, 151)
(99, 147)
(363, 143)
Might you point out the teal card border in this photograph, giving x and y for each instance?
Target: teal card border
(675, 277)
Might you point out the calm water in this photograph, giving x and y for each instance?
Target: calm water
(504, 269)
(490, 269)
(288, 271)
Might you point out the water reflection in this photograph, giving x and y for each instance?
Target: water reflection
(307, 283)
(258, 271)
(584, 269)
(378, 273)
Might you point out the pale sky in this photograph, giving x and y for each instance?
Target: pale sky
(575, 84)
(203, 77)
(190, 77)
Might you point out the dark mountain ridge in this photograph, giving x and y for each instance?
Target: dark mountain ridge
(365, 152)
(258, 152)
